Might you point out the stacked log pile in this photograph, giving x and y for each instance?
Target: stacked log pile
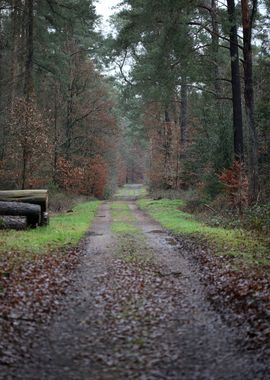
(32, 204)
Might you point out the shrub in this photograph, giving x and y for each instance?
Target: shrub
(235, 184)
(87, 177)
(212, 186)
(257, 218)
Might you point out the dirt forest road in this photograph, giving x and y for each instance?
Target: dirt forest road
(137, 311)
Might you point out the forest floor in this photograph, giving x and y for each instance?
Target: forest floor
(139, 307)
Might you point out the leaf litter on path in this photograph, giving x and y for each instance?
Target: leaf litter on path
(127, 317)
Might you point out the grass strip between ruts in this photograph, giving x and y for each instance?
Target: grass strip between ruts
(122, 219)
(131, 246)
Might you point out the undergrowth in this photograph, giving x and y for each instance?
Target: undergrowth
(132, 192)
(60, 201)
(219, 212)
(232, 242)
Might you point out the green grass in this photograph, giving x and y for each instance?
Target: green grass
(122, 218)
(131, 246)
(64, 229)
(129, 191)
(237, 243)
(123, 228)
(119, 206)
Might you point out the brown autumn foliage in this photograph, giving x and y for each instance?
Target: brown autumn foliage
(235, 183)
(95, 176)
(164, 150)
(69, 141)
(28, 155)
(89, 178)
(68, 176)
(30, 294)
(121, 170)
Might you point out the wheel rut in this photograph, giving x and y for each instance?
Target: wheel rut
(130, 318)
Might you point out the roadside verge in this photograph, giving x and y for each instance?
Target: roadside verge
(234, 266)
(36, 268)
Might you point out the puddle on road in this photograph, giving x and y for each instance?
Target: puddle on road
(91, 233)
(156, 232)
(171, 241)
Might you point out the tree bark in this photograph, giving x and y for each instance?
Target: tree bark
(70, 100)
(56, 142)
(247, 22)
(166, 146)
(236, 85)
(18, 208)
(2, 122)
(183, 115)
(37, 197)
(24, 167)
(29, 63)
(68, 128)
(15, 25)
(215, 49)
(31, 211)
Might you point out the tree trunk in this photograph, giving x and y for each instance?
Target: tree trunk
(2, 122)
(15, 25)
(29, 83)
(215, 49)
(56, 142)
(28, 73)
(236, 85)
(166, 146)
(70, 100)
(268, 153)
(247, 22)
(24, 168)
(68, 128)
(183, 115)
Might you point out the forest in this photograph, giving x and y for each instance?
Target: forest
(149, 134)
(185, 104)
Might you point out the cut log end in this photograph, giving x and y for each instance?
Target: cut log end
(32, 204)
(32, 212)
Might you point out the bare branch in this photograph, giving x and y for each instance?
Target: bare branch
(212, 32)
(121, 70)
(209, 92)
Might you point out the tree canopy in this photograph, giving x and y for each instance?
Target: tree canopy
(187, 96)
